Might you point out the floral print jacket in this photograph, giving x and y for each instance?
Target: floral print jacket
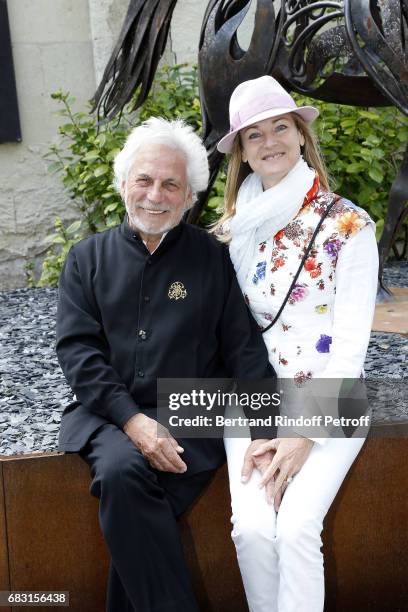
(301, 342)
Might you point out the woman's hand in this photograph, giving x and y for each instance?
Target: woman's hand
(290, 455)
(260, 462)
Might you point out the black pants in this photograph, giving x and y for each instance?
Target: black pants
(138, 513)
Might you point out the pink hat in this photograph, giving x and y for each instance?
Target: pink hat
(260, 99)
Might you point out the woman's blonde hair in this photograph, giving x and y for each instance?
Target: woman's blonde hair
(238, 171)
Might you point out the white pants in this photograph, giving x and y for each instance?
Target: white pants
(279, 553)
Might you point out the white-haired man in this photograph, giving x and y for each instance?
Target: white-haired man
(152, 298)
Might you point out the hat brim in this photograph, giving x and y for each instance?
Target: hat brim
(308, 113)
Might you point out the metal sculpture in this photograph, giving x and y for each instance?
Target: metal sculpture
(344, 51)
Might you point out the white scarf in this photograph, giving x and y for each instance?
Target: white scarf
(261, 214)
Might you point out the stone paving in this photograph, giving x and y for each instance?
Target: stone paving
(33, 391)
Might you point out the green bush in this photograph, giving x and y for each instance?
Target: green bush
(362, 148)
(84, 159)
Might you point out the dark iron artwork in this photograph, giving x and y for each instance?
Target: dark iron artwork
(343, 51)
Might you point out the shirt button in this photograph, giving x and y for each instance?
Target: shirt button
(146, 298)
(140, 373)
(142, 334)
(149, 261)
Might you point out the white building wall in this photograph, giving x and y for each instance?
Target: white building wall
(52, 49)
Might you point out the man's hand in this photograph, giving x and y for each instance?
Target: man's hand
(260, 462)
(290, 455)
(161, 452)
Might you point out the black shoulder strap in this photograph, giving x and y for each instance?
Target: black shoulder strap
(302, 263)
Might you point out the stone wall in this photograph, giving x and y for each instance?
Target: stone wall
(52, 49)
(61, 44)
(106, 18)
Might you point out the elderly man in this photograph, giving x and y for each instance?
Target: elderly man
(152, 298)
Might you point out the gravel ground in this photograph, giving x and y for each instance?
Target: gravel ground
(33, 391)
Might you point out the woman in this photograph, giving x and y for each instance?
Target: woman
(277, 193)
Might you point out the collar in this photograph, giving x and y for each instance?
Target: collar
(167, 239)
(158, 244)
(311, 194)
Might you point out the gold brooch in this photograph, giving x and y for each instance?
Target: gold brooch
(177, 291)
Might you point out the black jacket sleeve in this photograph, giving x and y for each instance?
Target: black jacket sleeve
(83, 351)
(245, 353)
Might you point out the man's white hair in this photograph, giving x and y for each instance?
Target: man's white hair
(174, 134)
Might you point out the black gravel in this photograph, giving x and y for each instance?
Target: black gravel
(33, 391)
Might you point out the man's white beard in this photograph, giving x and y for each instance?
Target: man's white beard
(139, 225)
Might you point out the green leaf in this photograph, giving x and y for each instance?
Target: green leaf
(110, 208)
(369, 115)
(101, 140)
(51, 237)
(113, 220)
(353, 168)
(58, 240)
(74, 227)
(215, 202)
(101, 170)
(91, 155)
(376, 174)
(379, 226)
(112, 154)
(345, 123)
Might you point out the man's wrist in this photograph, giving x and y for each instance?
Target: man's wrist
(133, 419)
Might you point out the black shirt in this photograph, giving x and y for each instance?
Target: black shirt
(127, 317)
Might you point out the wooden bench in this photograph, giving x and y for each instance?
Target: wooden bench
(50, 538)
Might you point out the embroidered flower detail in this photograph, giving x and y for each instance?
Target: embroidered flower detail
(262, 247)
(282, 360)
(268, 316)
(279, 235)
(321, 309)
(300, 378)
(323, 344)
(259, 272)
(320, 284)
(285, 327)
(299, 292)
(272, 289)
(332, 247)
(246, 298)
(277, 263)
(320, 208)
(293, 230)
(349, 223)
(314, 268)
(310, 264)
